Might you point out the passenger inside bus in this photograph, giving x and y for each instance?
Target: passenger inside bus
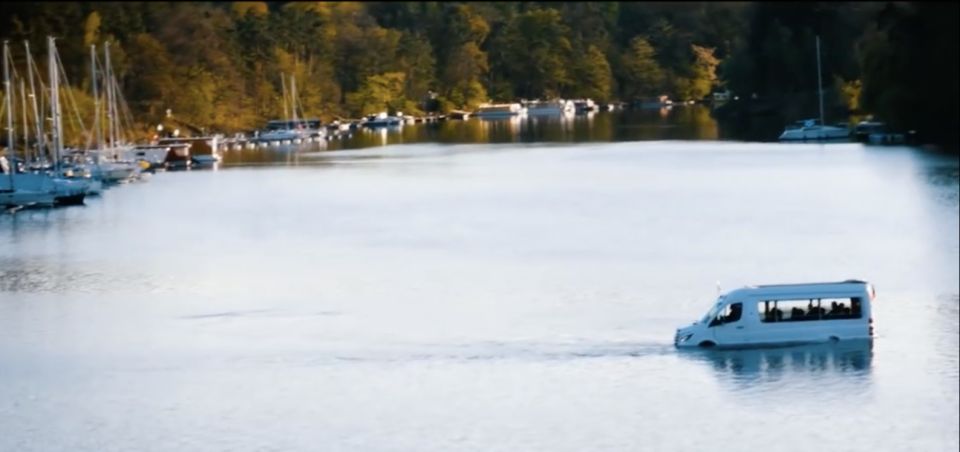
(773, 315)
(814, 312)
(778, 310)
(796, 314)
(736, 310)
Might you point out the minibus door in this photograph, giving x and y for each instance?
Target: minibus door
(729, 326)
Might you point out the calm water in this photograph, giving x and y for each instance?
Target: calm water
(508, 296)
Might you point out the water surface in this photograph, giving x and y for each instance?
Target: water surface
(503, 296)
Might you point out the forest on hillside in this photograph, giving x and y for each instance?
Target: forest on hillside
(220, 65)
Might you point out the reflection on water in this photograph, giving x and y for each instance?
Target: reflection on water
(803, 366)
(943, 174)
(690, 122)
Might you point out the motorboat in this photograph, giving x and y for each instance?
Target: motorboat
(499, 110)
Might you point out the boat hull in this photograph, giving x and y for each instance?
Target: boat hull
(815, 134)
(26, 198)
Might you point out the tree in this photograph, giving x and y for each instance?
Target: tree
(594, 78)
(152, 80)
(703, 74)
(464, 63)
(642, 75)
(378, 93)
(538, 54)
(467, 64)
(241, 9)
(416, 60)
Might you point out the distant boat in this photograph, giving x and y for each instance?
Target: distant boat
(112, 162)
(383, 120)
(280, 130)
(151, 157)
(657, 103)
(875, 132)
(292, 129)
(585, 105)
(549, 107)
(498, 110)
(811, 129)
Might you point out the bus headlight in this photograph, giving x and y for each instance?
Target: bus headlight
(684, 338)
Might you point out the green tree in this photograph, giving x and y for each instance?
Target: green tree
(594, 77)
(466, 65)
(378, 93)
(703, 74)
(416, 60)
(642, 74)
(538, 54)
(255, 8)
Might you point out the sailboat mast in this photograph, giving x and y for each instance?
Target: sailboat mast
(283, 88)
(9, 106)
(57, 134)
(96, 97)
(38, 121)
(293, 98)
(820, 82)
(111, 111)
(26, 127)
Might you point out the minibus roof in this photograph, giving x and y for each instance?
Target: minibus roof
(849, 281)
(819, 287)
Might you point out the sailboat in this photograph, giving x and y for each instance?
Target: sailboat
(11, 193)
(291, 130)
(811, 129)
(25, 189)
(113, 162)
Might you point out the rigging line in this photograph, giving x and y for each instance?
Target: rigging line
(100, 120)
(37, 111)
(26, 126)
(67, 88)
(37, 119)
(13, 90)
(126, 116)
(9, 98)
(122, 126)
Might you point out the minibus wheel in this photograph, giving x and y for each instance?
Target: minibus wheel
(707, 344)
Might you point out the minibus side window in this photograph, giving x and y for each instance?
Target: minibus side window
(769, 312)
(730, 314)
(855, 310)
(775, 311)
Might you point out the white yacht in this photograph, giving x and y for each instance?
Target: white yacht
(550, 107)
(383, 120)
(811, 129)
(499, 110)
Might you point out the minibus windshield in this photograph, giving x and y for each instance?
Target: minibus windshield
(713, 312)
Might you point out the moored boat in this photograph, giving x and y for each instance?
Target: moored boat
(499, 110)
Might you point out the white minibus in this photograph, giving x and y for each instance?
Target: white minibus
(784, 314)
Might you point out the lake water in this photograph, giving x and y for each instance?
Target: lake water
(515, 295)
